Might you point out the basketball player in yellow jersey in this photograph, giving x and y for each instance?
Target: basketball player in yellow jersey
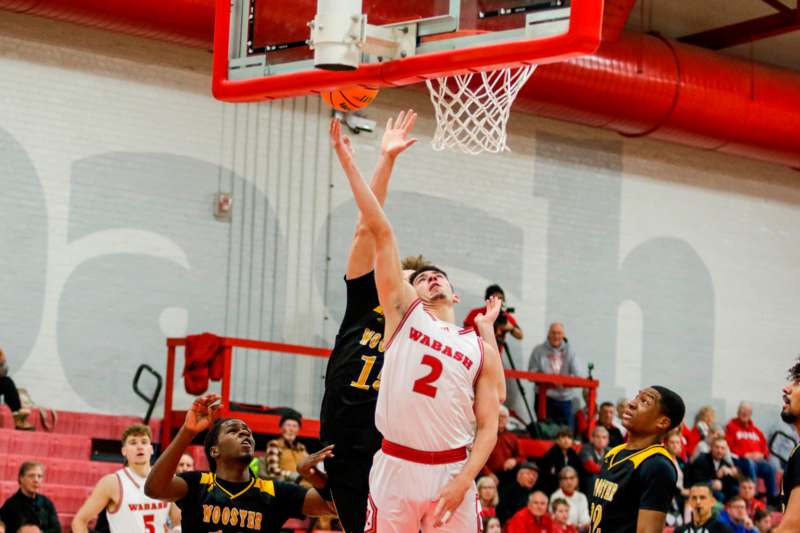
(790, 486)
(423, 473)
(636, 483)
(122, 495)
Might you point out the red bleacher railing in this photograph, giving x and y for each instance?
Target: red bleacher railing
(270, 424)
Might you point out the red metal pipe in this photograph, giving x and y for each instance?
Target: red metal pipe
(649, 86)
(639, 85)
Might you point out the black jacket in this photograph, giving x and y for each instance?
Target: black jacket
(702, 471)
(20, 510)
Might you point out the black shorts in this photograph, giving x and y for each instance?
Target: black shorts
(348, 475)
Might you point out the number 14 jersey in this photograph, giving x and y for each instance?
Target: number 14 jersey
(427, 389)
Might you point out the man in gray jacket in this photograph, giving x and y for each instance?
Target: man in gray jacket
(555, 356)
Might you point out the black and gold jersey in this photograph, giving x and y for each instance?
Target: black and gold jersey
(791, 476)
(216, 506)
(630, 480)
(353, 374)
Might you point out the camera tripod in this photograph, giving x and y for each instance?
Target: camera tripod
(532, 427)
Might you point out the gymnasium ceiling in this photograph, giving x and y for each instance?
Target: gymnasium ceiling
(768, 30)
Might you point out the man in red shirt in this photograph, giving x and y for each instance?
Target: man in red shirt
(532, 519)
(505, 323)
(506, 454)
(748, 442)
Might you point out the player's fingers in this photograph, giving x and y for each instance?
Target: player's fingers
(438, 512)
(389, 123)
(410, 143)
(401, 118)
(410, 120)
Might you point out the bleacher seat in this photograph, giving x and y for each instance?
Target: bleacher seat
(59, 471)
(45, 444)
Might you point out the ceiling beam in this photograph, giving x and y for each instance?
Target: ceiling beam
(778, 5)
(745, 32)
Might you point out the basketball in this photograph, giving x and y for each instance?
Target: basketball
(350, 98)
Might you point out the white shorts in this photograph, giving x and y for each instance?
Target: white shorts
(403, 497)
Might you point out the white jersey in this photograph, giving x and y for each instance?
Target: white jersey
(136, 512)
(427, 393)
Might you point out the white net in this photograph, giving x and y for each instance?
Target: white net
(472, 110)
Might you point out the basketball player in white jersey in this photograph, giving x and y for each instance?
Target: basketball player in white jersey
(438, 401)
(121, 493)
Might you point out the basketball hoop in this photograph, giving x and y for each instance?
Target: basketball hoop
(472, 110)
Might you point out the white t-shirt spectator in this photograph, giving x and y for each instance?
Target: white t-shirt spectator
(578, 507)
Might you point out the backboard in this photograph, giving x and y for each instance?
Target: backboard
(265, 49)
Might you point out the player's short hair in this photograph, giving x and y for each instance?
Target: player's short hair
(492, 289)
(136, 430)
(559, 501)
(211, 440)
(414, 262)
(794, 372)
(27, 466)
(427, 268)
(672, 406)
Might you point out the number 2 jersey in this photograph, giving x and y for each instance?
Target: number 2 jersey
(630, 480)
(353, 375)
(427, 394)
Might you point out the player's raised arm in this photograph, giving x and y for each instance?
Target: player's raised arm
(361, 259)
(162, 483)
(484, 323)
(393, 292)
(487, 411)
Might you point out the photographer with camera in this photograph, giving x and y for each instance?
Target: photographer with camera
(505, 322)
(555, 356)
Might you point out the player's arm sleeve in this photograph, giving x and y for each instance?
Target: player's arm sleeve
(296, 501)
(658, 479)
(362, 296)
(192, 480)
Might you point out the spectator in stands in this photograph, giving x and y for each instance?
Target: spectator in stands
(762, 521)
(701, 502)
(735, 516)
(674, 445)
(487, 496)
(186, 464)
(561, 454)
(562, 523)
(747, 490)
(491, 524)
(748, 443)
(27, 505)
(506, 454)
(556, 356)
(514, 495)
(715, 469)
(704, 446)
(605, 418)
(505, 323)
(703, 423)
(578, 504)
(8, 390)
(533, 518)
(591, 457)
(286, 452)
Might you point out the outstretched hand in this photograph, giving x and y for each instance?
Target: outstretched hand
(449, 499)
(341, 143)
(493, 306)
(202, 413)
(307, 466)
(395, 138)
